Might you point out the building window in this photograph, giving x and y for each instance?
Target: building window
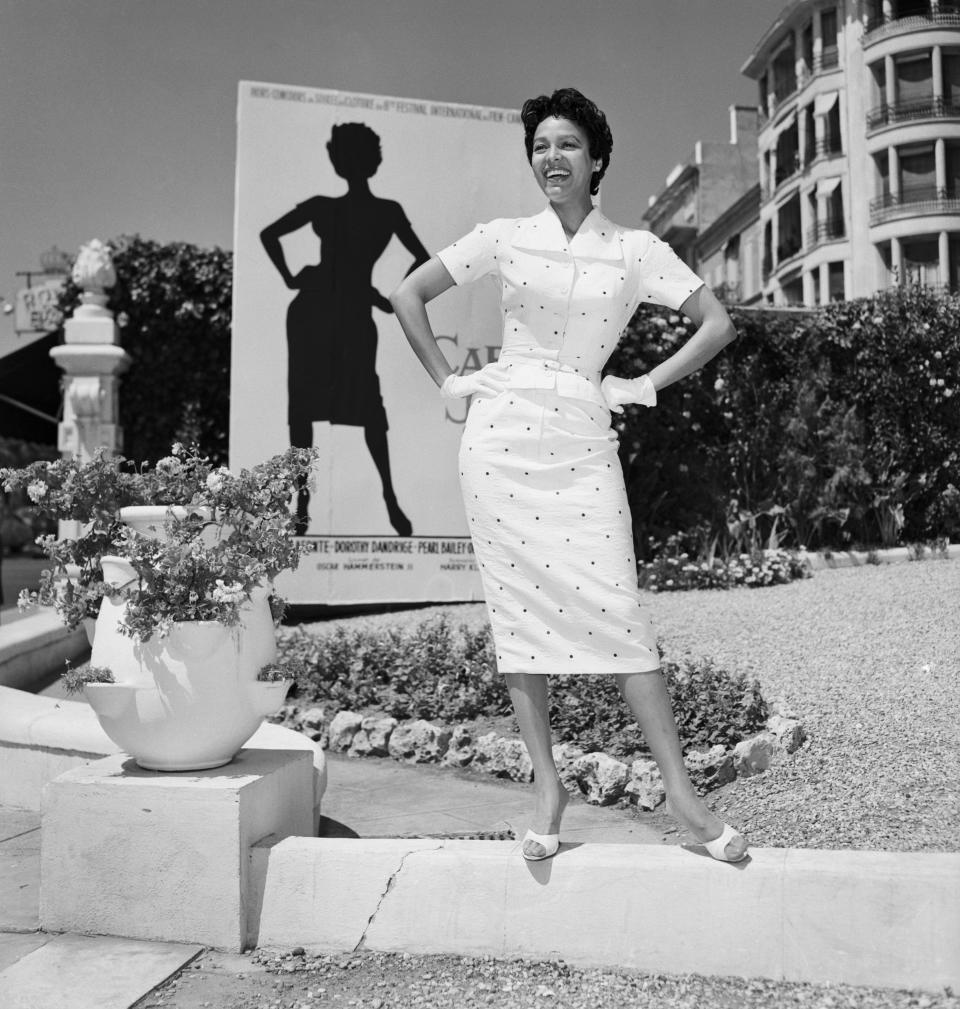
(918, 174)
(951, 84)
(837, 284)
(788, 154)
(921, 261)
(788, 229)
(829, 54)
(784, 74)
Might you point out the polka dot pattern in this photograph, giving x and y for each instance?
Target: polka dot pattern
(540, 477)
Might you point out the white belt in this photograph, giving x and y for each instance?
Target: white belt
(548, 375)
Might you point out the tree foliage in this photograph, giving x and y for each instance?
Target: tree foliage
(173, 304)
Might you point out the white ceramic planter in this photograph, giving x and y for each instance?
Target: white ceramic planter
(191, 699)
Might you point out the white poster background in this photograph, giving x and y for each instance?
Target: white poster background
(449, 166)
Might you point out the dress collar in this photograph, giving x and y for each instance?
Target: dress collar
(597, 237)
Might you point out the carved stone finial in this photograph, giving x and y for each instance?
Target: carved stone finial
(93, 269)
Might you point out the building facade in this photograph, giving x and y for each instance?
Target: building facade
(859, 148)
(708, 210)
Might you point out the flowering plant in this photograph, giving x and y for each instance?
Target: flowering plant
(224, 535)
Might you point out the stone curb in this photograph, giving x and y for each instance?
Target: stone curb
(861, 558)
(601, 779)
(887, 919)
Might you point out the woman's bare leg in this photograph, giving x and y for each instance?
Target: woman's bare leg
(529, 695)
(648, 699)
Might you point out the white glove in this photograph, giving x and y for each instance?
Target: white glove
(618, 391)
(458, 386)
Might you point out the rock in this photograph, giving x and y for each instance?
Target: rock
(600, 778)
(503, 756)
(710, 769)
(418, 742)
(564, 756)
(461, 749)
(788, 732)
(344, 726)
(313, 718)
(373, 737)
(289, 715)
(753, 755)
(645, 787)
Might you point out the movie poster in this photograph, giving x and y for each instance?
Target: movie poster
(339, 196)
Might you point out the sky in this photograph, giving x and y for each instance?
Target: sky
(118, 116)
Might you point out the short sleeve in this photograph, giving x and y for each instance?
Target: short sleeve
(665, 279)
(474, 255)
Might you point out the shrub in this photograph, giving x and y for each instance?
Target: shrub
(819, 429)
(433, 671)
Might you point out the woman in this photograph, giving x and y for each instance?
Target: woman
(331, 335)
(539, 471)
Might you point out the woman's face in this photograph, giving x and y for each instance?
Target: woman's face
(561, 161)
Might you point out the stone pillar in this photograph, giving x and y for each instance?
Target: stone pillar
(937, 66)
(893, 164)
(817, 36)
(940, 164)
(890, 74)
(802, 137)
(887, 10)
(799, 66)
(824, 283)
(810, 288)
(944, 242)
(91, 361)
(896, 260)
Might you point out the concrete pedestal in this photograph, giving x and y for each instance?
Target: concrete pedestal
(175, 857)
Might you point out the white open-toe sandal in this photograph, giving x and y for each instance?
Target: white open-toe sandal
(718, 846)
(550, 843)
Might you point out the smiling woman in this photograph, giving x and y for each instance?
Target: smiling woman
(538, 455)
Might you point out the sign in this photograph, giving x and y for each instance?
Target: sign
(36, 307)
(338, 196)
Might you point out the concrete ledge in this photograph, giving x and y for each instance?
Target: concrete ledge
(43, 737)
(118, 841)
(864, 918)
(34, 645)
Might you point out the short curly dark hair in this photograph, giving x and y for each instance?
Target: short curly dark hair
(568, 103)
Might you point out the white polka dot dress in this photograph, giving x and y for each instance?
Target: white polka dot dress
(541, 480)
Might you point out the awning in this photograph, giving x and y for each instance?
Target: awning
(826, 186)
(822, 104)
(786, 124)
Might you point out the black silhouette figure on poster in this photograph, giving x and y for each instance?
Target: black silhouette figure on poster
(331, 334)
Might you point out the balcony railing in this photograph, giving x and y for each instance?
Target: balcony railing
(829, 230)
(914, 201)
(928, 107)
(877, 28)
(829, 146)
(826, 60)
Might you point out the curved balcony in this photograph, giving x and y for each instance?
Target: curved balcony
(877, 29)
(830, 230)
(914, 111)
(913, 201)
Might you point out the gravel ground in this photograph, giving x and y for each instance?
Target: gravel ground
(398, 981)
(869, 660)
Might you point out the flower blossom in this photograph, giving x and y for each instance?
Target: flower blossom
(37, 491)
(232, 593)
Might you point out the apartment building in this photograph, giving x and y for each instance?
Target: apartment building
(708, 210)
(859, 148)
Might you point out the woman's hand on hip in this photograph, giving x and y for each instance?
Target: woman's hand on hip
(457, 386)
(620, 391)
